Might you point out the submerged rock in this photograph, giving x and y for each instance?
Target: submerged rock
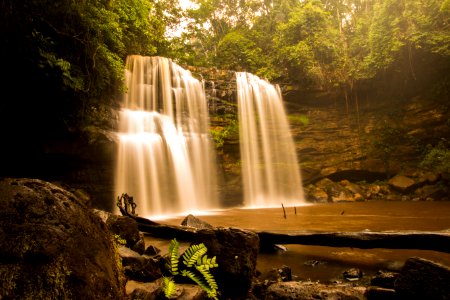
(53, 247)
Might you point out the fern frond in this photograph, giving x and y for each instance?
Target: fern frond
(169, 287)
(208, 277)
(194, 256)
(193, 253)
(208, 263)
(172, 263)
(212, 292)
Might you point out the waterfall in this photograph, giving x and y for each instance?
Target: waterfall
(165, 155)
(270, 169)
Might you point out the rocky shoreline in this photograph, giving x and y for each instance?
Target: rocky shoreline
(413, 186)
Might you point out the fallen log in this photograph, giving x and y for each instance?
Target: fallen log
(420, 240)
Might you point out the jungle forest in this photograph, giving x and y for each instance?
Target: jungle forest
(66, 58)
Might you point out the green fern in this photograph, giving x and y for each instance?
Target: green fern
(172, 263)
(208, 277)
(211, 291)
(194, 253)
(196, 267)
(169, 287)
(207, 262)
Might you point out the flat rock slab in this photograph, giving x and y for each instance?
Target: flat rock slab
(312, 290)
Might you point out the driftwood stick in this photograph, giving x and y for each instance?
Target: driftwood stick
(284, 211)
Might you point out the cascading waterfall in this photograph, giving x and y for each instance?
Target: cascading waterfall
(165, 157)
(270, 169)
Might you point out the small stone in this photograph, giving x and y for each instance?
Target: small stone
(384, 279)
(285, 273)
(195, 222)
(353, 274)
(151, 250)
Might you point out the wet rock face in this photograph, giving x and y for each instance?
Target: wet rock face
(127, 229)
(52, 246)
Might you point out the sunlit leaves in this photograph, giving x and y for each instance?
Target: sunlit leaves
(237, 52)
(307, 43)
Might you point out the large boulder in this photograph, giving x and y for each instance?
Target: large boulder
(53, 247)
(236, 251)
(402, 183)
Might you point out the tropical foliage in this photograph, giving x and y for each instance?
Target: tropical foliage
(70, 54)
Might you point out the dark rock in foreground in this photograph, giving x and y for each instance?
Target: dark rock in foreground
(236, 251)
(423, 279)
(53, 247)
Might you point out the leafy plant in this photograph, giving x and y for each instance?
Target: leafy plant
(437, 158)
(119, 240)
(196, 266)
(169, 287)
(220, 134)
(299, 119)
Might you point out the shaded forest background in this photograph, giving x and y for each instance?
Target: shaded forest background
(63, 61)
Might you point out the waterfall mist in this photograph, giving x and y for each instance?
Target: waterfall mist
(165, 156)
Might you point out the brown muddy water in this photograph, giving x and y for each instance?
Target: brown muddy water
(325, 264)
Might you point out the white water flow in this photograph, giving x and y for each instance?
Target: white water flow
(165, 157)
(270, 169)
